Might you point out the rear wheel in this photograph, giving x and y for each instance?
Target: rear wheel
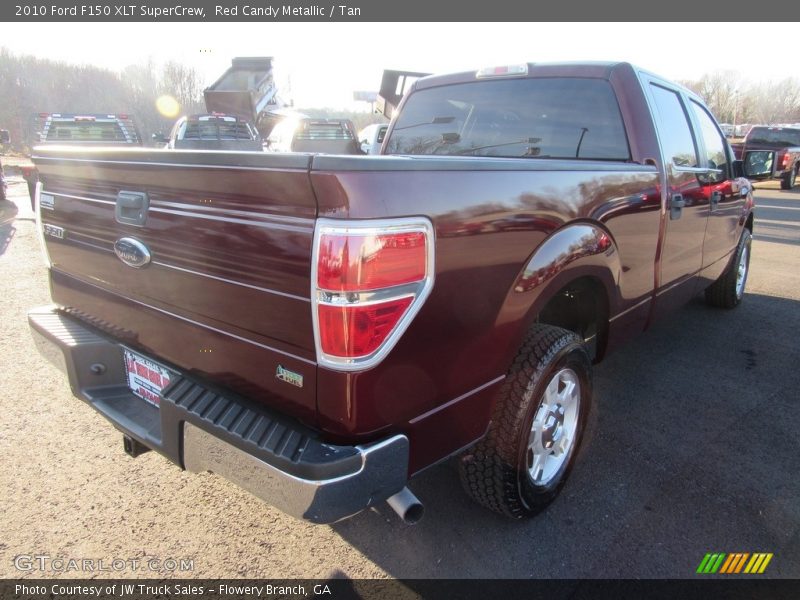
(728, 290)
(536, 428)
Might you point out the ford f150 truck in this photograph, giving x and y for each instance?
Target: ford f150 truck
(318, 328)
(771, 153)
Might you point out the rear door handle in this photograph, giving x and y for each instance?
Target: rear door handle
(676, 204)
(716, 196)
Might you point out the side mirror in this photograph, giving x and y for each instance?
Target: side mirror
(759, 164)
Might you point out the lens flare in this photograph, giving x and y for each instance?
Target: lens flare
(168, 106)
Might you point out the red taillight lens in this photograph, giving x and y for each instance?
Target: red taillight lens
(358, 330)
(350, 263)
(785, 160)
(371, 279)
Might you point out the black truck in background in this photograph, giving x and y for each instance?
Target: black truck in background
(85, 129)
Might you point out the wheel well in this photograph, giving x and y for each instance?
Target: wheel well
(749, 223)
(581, 306)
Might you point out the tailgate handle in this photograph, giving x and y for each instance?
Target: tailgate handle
(131, 208)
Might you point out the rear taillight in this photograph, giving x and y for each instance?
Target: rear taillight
(369, 280)
(785, 160)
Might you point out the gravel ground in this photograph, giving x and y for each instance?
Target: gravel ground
(692, 447)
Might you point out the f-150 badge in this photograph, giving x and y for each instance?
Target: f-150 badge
(132, 252)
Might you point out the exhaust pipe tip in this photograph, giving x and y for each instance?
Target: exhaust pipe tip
(407, 506)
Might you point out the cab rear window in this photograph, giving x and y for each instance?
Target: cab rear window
(85, 131)
(217, 129)
(528, 118)
(777, 136)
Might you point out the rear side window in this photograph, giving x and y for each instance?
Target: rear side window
(674, 130)
(528, 118)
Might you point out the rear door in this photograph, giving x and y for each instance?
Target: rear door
(686, 200)
(725, 206)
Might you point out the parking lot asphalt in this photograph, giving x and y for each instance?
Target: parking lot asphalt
(692, 447)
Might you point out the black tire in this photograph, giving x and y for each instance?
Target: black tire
(788, 180)
(725, 292)
(494, 472)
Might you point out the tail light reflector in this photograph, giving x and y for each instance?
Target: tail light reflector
(358, 330)
(369, 280)
(785, 160)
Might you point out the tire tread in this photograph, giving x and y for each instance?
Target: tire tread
(488, 471)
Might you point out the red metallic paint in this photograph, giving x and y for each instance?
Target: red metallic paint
(490, 217)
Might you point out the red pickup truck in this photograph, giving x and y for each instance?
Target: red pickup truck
(771, 153)
(318, 329)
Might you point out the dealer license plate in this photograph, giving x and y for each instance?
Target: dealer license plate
(146, 379)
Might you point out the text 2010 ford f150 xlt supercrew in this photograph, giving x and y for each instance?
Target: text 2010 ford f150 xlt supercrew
(318, 329)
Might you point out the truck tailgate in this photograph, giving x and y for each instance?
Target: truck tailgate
(225, 294)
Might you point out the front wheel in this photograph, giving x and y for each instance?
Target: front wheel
(728, 290)
(537, 424)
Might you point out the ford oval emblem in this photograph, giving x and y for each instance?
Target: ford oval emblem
(132, 252)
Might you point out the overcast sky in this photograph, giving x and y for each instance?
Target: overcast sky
(326, 62)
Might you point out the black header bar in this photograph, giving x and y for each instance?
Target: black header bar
(713, 12)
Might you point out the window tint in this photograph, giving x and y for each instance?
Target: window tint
(534, 118)
(217, 129)
(777, 136)
(674, 131)
(312, 130)
(85, 131)
(714, 143)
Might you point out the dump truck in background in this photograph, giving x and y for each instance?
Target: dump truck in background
(394, 85)
(247, 90)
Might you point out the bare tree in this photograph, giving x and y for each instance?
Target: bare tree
(776, 102)
(720, 91)
(184, 84)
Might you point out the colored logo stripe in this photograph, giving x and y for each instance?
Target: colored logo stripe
(735, 562)
(758, 563)
(720, 562)
(711, 563)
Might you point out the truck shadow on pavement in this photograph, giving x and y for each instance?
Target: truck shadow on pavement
(680, 457)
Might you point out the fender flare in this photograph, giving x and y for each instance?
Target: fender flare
(580, 249)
